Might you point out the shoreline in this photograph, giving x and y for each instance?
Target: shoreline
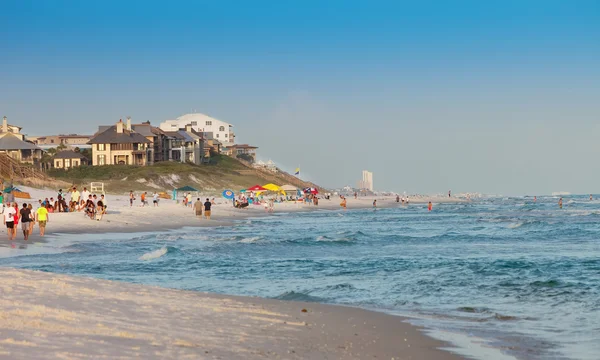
(49, 316)
(124, 219)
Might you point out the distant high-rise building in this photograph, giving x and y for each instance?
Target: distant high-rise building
(367, 181)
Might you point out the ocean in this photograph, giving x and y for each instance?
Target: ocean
(500, 277)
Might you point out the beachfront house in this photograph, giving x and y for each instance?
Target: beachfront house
(52, 141)
(15, 145)
(118, 145)
(201, 123)
(186, 145)
(243, 151)
(158, 138)
(68, 158)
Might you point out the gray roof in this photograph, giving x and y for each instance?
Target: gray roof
(11, 142)
(143, 129)
(186, 136)
(175, 134)
(110, 136)
(68, 154)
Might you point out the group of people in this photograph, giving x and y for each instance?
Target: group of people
(12, 215)
(144, 199)
(199, 207)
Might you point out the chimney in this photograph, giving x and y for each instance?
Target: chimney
(120, 126)
(4, 125)
(129, 123)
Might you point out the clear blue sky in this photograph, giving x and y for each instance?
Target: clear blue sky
(496, 97)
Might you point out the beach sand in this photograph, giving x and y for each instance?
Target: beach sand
(51, 316)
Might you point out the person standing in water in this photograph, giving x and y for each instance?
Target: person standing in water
(375, 203)
(560, 203)
(535, 199)
(591, 197)
(429, 206)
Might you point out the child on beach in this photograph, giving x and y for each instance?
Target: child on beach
(42, 219)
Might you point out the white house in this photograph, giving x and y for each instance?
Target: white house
(203, 124)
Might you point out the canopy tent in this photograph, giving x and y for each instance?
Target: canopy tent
(187, 188)
(272, 187)
(257, 188)
(288, 188)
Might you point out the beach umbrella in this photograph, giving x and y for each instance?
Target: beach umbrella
(228, 194)
(256, 188)
(272, 187)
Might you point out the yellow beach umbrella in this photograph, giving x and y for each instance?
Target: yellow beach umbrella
(272, 187)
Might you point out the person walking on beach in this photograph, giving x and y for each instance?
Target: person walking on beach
(9, 222)
(449, 193)
(42, 219)
(560, 203)
(207, 206)
(155, 199)
(343, 203)
(429, 206)
(131, 198)
(25, 219)
(397, 198)
(198, 207)
(189, 199)
(32, 217)
(143, 199)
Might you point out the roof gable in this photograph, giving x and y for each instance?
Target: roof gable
(111, 136)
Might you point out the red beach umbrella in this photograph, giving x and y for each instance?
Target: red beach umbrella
(257, 188)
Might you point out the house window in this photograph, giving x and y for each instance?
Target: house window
(101, 147)
(67, 163)
(221, 128)
(225, 135)
(52, 141)
(173, 125)
(217, 135)
(101, 159)
(209, 123)
(194, 123)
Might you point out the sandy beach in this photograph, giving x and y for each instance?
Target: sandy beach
(49, 316)
(123, 218)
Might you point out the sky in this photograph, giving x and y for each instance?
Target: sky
(497, 97)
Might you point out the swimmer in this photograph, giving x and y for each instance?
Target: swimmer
(429, 206)
(560, 203)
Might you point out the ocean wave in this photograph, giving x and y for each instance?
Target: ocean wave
(298, 296)
(154, 254)
(250, 240)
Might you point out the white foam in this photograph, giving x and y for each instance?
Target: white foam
(153, 254)
(250, 240)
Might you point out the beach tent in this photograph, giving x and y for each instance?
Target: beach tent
(272, 187)
(288, 188)
(187, 189)
(256, 188)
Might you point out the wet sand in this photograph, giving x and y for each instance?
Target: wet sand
(51, 316)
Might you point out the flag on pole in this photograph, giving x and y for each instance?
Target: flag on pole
(297, 171)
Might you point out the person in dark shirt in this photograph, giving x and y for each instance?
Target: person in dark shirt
(207, 206)
(90, 207)
(25, 219)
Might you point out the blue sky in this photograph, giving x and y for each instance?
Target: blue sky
(495, 97)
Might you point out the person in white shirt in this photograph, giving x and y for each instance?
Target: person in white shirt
(155, 199)
(85, 194)
(9, 221)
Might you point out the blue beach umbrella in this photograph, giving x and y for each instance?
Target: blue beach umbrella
(228, 194)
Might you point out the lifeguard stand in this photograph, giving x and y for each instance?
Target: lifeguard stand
(97, 187)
